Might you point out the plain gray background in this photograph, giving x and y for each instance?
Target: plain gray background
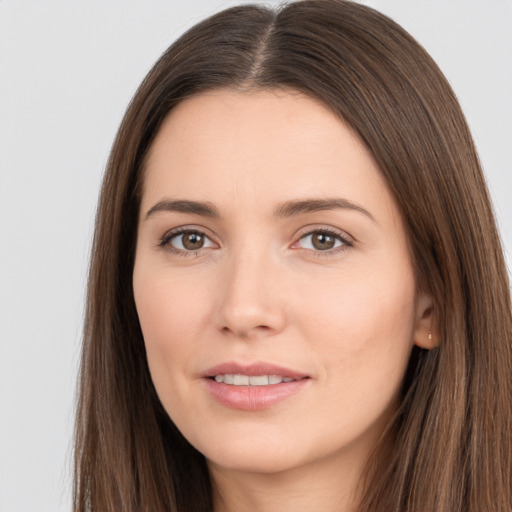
(67, 72)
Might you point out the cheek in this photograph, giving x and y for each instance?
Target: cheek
(172, 312)
(169, 304)
(364, 325)
(363, 338)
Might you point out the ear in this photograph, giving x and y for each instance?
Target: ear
(426, 331)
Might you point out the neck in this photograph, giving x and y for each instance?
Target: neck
(329, 487)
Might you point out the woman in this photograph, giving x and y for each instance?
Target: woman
(297, 297)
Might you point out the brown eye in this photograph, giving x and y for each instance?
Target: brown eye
(192, 241)
(322, 241)
(186, 241)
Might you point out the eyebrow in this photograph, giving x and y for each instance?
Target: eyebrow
(184, 206)
(283, 210)
(292, 208)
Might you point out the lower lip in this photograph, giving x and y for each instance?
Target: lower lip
(253, 398)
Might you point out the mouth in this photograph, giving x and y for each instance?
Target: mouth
(236, 379)
(254, 374)
(253, 387)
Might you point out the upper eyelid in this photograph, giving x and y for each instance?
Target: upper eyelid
(300, 233)
(326, 232)
(308, 230)
(186, 229)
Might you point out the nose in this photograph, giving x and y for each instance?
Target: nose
(252, 294)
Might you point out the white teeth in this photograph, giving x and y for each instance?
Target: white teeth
(253, 380)
(241, 380)
(259, 380)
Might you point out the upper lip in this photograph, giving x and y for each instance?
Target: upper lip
(252, 370)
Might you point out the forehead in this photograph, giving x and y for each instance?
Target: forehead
(228, 145)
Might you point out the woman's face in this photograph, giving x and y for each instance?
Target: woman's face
(273, 282)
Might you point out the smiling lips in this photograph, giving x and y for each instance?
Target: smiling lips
(254, 387)
(253, 380)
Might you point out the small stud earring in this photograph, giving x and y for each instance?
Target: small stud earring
(429, 336)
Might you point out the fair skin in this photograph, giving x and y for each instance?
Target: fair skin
(324, 291)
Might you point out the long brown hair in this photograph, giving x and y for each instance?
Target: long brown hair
(453, 431)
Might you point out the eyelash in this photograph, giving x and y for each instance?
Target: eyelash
(345, 241)
(165, 242)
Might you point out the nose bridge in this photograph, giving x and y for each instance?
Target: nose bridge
(249, 300)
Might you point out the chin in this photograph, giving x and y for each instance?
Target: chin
(249, 455)
(252, 463)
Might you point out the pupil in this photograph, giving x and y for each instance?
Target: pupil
(193, 241)
(323, 241)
